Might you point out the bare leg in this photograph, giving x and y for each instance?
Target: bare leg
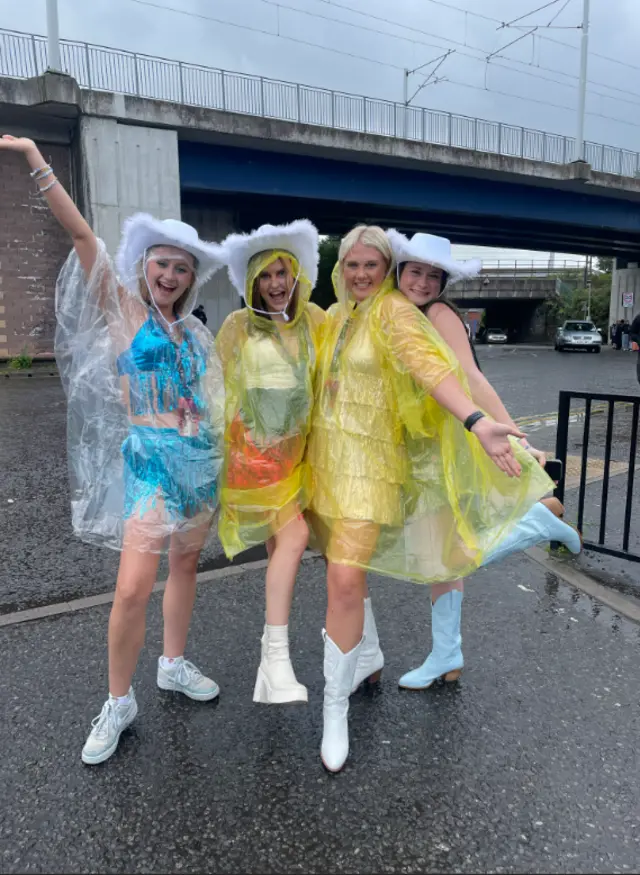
(180, 592)
(285, 551)
(438, 589)
(127, 622)
(345, 605)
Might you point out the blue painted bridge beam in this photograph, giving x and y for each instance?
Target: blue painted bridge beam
(273, 186)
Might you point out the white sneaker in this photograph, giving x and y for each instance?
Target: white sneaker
(107, 728)
(184, 677)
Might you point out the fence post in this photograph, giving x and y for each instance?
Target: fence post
(135, 73)
(262, 108)
(87, 61)
(564, 150)
(35, 55)
(602, 157)
(499, 138)
(637, 164)
(522, 142)
(450, 137)
(333, 109)
(475, 134)
(181, 81)
(298, 101)
(364, 114)
(222, 89)
(562, 438)
(424, 126)
(620, 161)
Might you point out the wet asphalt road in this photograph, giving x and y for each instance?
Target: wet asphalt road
(44, 563)
(529, 765)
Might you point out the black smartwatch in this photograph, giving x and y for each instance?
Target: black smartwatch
(471, 420)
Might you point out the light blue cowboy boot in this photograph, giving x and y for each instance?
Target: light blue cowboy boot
(539, 524)
(445, 660)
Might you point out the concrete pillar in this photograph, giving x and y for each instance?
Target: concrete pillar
(218, 296)
(127, 169)
(625, 285)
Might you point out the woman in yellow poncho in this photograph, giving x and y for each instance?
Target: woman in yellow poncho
(386, 384)
(268, 352)
(425, 269)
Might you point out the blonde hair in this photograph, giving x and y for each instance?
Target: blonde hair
(261, 261)
(368, 235)
(144, 288)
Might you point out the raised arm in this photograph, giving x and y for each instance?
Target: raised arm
(61, 205)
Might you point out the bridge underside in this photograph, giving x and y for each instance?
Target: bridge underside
(260, 186)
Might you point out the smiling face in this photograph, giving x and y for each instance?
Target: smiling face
(274, 285)
(364, 270)
(170, 274)
(420, 283)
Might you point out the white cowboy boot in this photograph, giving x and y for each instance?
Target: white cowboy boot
(370, 658)
(276, 683)
(339, 671)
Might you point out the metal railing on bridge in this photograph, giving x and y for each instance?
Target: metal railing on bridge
(615, 499)
(106, 69)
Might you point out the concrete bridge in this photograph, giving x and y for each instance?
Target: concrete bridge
(222, 171)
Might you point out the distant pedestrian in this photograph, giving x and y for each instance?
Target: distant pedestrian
(617, 335)
(626, 338)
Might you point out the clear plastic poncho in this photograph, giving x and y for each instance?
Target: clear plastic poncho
(269, 369)
(144, 429)
(399, 486)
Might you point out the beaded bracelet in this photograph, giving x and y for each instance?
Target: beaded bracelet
(47, 187)
(42, 170)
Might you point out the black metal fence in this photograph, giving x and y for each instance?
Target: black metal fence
(624, 449)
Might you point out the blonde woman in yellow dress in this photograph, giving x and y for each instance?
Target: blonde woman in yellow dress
(386, 382)
(268, 352)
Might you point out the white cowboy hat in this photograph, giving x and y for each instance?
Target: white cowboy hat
(429, 249)
(141, 231)
(300, 238)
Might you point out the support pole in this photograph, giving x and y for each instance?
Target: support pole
(53, 37)
(579, 154)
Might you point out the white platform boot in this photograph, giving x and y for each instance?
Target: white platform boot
(339, 671)
(370, 658)
(276, 683)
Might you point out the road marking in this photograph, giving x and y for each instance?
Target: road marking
(105, 598)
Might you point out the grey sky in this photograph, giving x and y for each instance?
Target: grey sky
(249, 42)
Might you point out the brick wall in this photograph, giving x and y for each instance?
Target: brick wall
(33, 248)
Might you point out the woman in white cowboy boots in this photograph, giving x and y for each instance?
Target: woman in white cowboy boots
(387, 385)
(425, 269)
(144, 449)
(268, 351)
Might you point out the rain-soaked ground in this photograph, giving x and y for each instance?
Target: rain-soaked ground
(530, 764)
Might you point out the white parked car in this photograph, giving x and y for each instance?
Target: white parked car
(575, 334)
(495, 335)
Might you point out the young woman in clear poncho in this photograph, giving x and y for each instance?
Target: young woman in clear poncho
(144, 456)
(425, 268)
(268, 352)
(387, 382)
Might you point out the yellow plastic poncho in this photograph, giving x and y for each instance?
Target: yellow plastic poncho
(269, 368)
(399, 486)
